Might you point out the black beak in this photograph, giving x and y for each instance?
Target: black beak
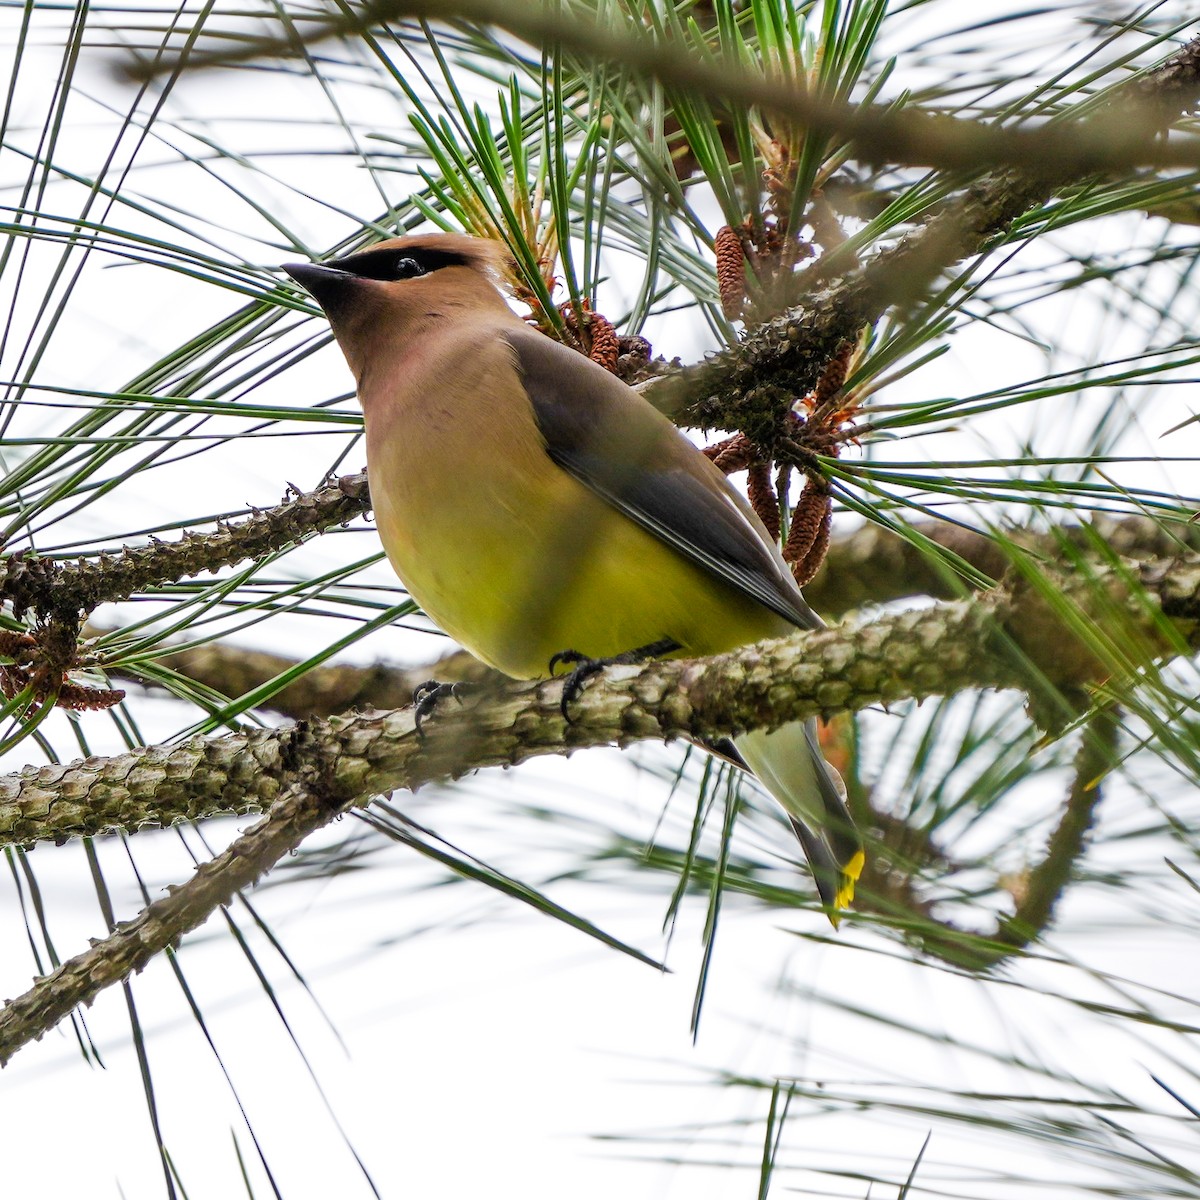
(324, 282)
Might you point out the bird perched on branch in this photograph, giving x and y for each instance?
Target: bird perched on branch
(540, 511)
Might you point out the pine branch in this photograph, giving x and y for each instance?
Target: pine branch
(1118, 141)
(312, 771)
(234, 670)
(1045, 883)
(55, 589)
(133, 944)
(1038, 892)
(871, 566)
(918, 653)
(1000, 639)
(749, 386)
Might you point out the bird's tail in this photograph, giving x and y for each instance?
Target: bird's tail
(789, 763)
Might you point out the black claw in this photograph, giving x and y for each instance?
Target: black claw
(584, 668)
(565, 657)
(426, 696)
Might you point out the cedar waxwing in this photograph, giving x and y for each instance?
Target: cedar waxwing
(533, 504)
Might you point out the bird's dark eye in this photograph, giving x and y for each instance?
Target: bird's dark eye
(408, 268)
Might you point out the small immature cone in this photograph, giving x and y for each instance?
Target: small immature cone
(596, 334)
(808, 538)
(605, 346)
(833, 378)
(17, 646)
(733, 454)
(76, 697)
(731, 272)
(79, 698)
(762, 496)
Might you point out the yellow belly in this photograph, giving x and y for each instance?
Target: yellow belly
(506, 552)
(523, 563)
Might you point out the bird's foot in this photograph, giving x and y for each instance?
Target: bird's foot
(583, 667)
(426, 696)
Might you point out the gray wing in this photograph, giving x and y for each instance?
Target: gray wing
(615, 443)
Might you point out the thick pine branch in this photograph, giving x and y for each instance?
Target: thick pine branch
(871, 566)
(310, 772)
(914, 654)
(161, 924)
(999, 639)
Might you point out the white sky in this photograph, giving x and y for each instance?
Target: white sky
(488, 1051)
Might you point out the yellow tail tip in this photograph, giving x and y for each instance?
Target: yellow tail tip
(850, 873)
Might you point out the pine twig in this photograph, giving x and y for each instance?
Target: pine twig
(1038, 893)
(743, 387)
(53, 588)
(882, 133)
